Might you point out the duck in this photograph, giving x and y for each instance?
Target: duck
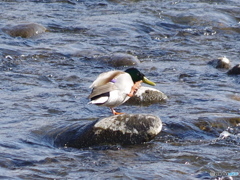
(113, 88)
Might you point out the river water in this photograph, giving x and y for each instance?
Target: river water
(45, 80)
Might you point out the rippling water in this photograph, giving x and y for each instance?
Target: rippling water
(45, 80)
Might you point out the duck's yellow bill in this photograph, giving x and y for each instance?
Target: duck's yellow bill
(147, 81)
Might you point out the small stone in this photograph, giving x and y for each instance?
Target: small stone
(235, 97)
(235, 70)
(221, 62)
(24, 30)
(120, 59)
(224, 135)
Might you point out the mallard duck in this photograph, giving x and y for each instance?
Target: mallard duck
(113, 88)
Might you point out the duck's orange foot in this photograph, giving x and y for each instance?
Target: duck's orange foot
(114, 112)
(118, 113)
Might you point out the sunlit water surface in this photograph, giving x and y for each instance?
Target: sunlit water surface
(45, 80)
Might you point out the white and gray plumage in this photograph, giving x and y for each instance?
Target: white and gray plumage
(113, 88)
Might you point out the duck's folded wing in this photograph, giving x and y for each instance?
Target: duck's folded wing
(102, 89)
(104, 78)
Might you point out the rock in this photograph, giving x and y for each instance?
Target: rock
(235, 97)
(122, 129)
(120, 59)
(146, 96)
(235, 70)
(24, 30)
(221, 62)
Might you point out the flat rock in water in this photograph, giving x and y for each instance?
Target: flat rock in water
(24, 30)
(146, 96)
(221, 62)
(122, 129)
(120, 59)
(235, 70)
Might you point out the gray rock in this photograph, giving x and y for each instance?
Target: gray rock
(122, 129)
(120, 59)
(146, 96)
(221, 62)
(128, 128)
(235, 70)
(24, 30)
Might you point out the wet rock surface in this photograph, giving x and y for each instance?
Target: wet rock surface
(24, 30)
(146, 96)
(122, 129)
(235, 70)
(119, 59)
(221, 62)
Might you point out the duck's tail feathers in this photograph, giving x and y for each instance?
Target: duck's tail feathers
(99, 101)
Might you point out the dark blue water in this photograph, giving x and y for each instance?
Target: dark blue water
(45, 80)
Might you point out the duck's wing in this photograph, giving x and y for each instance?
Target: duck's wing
(105, 77)
(98, 90)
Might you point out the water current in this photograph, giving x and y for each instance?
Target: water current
(44, 82)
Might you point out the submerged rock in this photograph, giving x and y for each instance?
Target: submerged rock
(24, 30)
(146, 96)
(235, 70)
(122, 129)
(120, 59)
(221, 62)
(235, 97)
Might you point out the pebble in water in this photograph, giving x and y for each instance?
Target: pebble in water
(120, 59)
(221, 62)
(235, 70)
(24, 30)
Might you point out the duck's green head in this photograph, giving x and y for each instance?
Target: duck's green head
(138, 76)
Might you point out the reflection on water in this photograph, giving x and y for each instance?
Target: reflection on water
(45, 80)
